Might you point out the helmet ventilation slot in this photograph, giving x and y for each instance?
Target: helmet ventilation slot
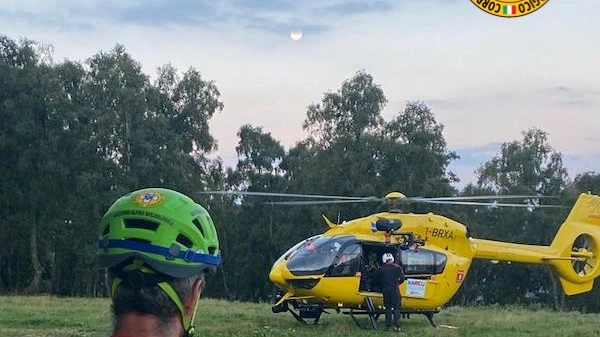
(198, 225)
(141, 223)
(184, 240)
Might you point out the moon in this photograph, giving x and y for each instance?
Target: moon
(295, 34)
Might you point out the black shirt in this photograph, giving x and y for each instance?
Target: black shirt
(391, 275)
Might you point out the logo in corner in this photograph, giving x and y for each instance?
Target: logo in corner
(148, 199)
(509, 8)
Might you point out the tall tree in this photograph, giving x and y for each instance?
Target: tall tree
(417, 152)
(349, 113)
(30, 133)
(73, 138)
(351, 150)
(529, 166)
(255, 237)
(258, 152)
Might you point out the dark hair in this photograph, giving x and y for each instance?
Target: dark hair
(138, 292)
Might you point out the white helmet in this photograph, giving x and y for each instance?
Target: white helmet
(387, 257)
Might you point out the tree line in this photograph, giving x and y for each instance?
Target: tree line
(76, 135)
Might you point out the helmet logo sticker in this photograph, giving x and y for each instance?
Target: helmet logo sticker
(148, 199)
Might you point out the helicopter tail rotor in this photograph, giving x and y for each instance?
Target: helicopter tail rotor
(578, 245)
(584, 252)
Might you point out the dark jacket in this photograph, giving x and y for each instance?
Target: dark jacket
(391, 276)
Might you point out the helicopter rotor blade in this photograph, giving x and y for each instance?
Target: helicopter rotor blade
(290, 195)
(444, 202)
(490, 204)
(316, 202)
(481, 197)
(335, 199)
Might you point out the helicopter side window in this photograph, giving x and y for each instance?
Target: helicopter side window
(314, 257)
(348, 262)
(423, 261)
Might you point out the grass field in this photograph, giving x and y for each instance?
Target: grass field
(44, 316)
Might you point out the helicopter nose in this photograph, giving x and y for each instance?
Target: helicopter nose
(276, 275)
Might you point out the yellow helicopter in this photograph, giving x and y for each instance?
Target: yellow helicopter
(335, 270)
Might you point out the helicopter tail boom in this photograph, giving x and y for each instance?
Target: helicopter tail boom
(574, 253)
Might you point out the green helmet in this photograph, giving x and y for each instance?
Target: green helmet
(165, 229)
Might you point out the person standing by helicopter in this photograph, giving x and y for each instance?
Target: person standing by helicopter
(391, 276)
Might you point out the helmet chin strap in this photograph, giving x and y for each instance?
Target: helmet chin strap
(187, 322)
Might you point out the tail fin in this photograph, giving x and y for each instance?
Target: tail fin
(576, 246)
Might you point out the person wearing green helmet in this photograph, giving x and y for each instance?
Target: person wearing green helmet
(157, 245)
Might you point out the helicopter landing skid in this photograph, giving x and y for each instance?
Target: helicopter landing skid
(429, 315)
(374, 315)
(307, 311)
(372, 319)
(370, 311)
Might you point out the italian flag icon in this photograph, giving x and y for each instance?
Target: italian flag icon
(510, 10)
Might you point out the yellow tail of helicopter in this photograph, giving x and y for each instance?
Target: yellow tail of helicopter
(573, 253)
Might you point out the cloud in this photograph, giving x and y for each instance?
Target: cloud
(275, 26)
(354, 7)
(263, 15)
(266, 5)
(52, 20)
(471, 157)
(266, 16)
(581, 163)
(440, 103)
(477, 155)
(568, 96)
(169, 12)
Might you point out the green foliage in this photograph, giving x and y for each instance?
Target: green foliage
(76, 136)
(529, 166)
(51, 316)
(348, 114)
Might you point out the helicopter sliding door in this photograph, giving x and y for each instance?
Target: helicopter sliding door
(370, 263)
(417, 264)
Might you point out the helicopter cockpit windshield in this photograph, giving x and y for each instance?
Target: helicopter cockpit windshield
(314, 256)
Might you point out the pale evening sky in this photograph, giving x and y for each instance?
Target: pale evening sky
(486, 78)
